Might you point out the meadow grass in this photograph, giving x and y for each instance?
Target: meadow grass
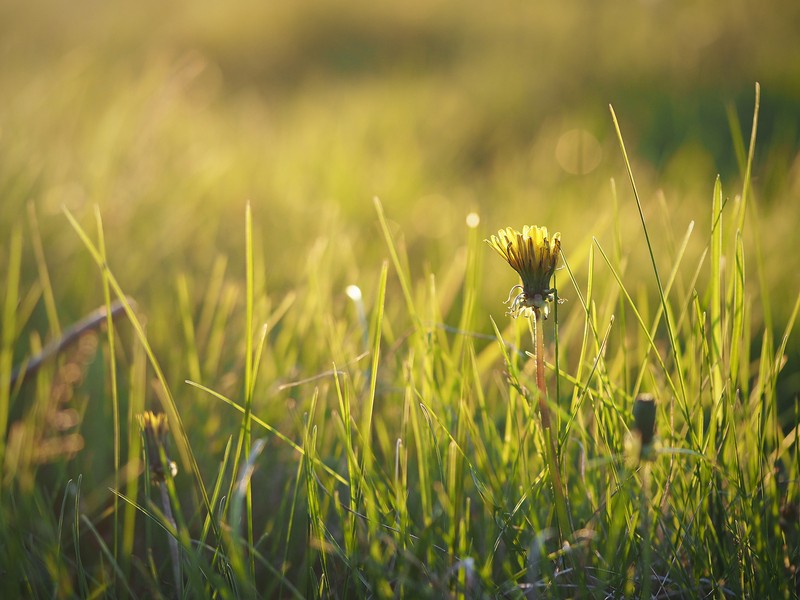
(386, 443)
(350, 412)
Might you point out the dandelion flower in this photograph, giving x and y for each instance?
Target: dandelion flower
(534, 254)
(155, 428)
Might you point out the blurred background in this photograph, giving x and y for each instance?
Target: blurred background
(170, 116)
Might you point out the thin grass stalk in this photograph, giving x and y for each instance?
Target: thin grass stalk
(422, 449)
(190, 340)
(173, 542)
(240, 495)
(398, 265)
(316, 538)
(167, 399)
(112, 365)
(368, 457)
(215, 493)
(107, 553)
(621, 309)
(272, 430)
(556, 363)
(559, 494)
(734, 301)
(715, 301)
(290, 523)
(343, 395)
(44, 273)
(750, 154)
(211, 302)
(671, 332)
(684, 407)
(7, 340)
(401, 492)
(136, 401)
(453, 483)
(360, 486)
(83, 583)
(677, 261)
(646, 548)
(60, 527)
(249, 378)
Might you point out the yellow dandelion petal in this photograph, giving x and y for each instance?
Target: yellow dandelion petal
(534, 255)
(155, 428)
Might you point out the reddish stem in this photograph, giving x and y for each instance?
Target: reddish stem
(562, 514)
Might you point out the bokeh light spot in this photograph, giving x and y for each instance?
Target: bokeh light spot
(578, 152)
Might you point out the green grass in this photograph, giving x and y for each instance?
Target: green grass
(209, 178)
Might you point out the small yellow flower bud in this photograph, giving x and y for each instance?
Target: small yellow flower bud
(155, 428)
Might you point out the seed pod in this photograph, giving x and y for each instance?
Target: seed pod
(644, 416)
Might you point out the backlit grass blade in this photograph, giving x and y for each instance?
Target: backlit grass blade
(187, 324)
(651, 342)
(215, 493)
(137, 384)
(401, 272)
(715, 349)
(750, 154)
(112, 367)
(243, 444)
(736, 314)
(676, 264)
(791, 437)
(120, 575)
(671, 333)
(266, 426)
(366, 425)
(176, 423)
(7, 338)
(83, 581)
(48, 294)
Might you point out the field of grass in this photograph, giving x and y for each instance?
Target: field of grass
(280, 210)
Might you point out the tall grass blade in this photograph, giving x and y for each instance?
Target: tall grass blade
(7, 339)
(366, 425)
(268, 427)
(401, 273)
(170, 407)
(112, 366)
(44, 273)
(671, 333)
(83, 582)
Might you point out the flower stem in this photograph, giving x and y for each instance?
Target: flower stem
(173, 543)
(646, 550)
(559, 495)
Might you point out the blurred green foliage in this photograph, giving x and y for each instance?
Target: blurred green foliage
(169, 117)
(317, 106)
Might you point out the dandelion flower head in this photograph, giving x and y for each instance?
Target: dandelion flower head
(534, 254)
(156, 428)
